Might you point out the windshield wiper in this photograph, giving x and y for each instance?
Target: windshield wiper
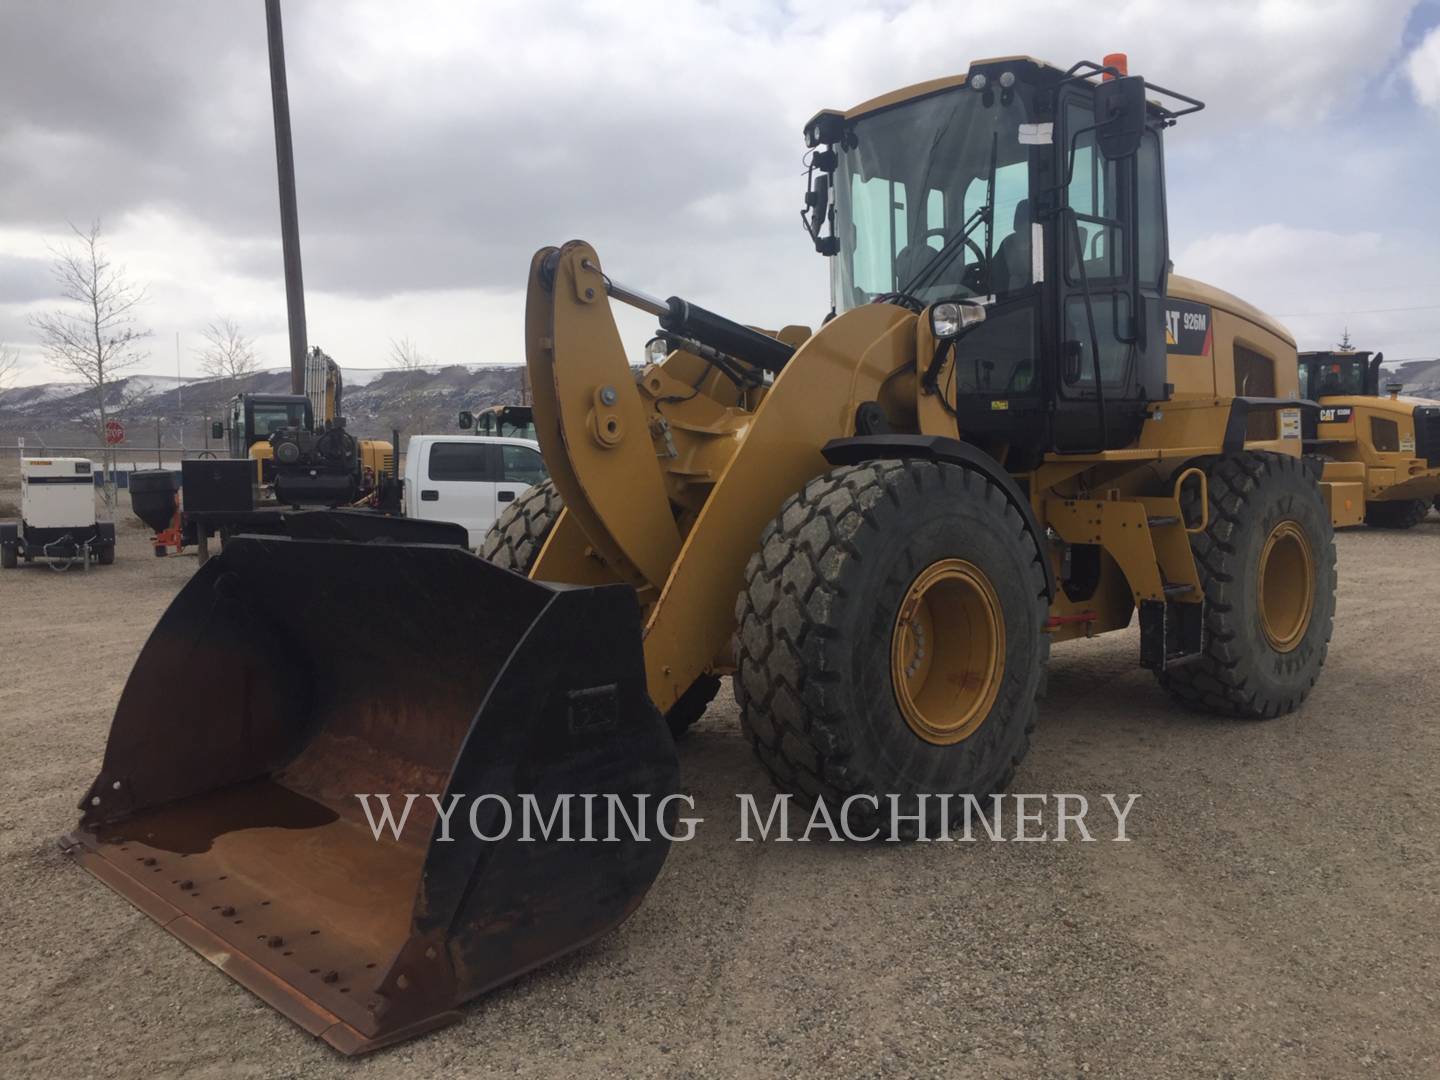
(946, 253)
(942, 258)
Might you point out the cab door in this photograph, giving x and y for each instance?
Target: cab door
(458, 484)
(1111, 286)
(521, 468)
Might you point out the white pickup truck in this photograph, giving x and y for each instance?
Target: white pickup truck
(468, 479)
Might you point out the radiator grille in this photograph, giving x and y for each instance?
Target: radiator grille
(1427, 433)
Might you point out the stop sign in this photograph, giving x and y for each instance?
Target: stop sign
(114, 432)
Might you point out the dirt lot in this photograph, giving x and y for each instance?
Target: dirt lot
(1275, 914)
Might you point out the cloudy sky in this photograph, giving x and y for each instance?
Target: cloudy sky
(439, 144)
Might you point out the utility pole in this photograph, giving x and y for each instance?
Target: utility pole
(289, 215)
(179, 394)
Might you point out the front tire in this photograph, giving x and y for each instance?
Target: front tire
(890, 638)
(8, 557)
(1267, 567)
(517, 536)
(1397, 514)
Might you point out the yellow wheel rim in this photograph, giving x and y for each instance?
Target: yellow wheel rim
(1286, 586)
(947, 651)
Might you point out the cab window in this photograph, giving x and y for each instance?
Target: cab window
(461, 461)
(522, 465)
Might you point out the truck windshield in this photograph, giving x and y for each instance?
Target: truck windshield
(910, 179)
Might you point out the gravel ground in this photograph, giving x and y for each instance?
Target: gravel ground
(1274, 914)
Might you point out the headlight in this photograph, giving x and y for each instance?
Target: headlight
(656, 349)
(947, 320)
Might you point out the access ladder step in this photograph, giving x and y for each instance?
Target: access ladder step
(1162, 520)
(1176, 588)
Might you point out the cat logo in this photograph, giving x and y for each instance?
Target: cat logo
(1187, 328)
(1336, 415)
(999, 405)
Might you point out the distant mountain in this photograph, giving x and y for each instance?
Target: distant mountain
(425, 400)
(1421, 378)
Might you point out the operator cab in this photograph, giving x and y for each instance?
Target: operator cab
(501, 421)
(253, 418)
(1021, 209)
(1340, 373)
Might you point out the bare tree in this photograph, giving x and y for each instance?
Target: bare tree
(9, 364)
(96, 337)
(228, 354)
(404, 355)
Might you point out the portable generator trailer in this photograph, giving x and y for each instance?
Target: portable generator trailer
(57, 517)
(1017, 429)
(1381, 451)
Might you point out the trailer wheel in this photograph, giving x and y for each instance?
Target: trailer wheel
(1267, 567)
(890, 639)
(8, 558)
(1398, 514)
(514, 542)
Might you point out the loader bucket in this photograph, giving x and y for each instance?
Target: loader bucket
(291, 675)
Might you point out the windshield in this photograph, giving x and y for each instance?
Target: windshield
(911, 178)
(1334, 376)
(271, 416)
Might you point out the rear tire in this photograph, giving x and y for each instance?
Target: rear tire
(1267, 567)
(8, 558)
(829, 604)
(514, 542)
(1398, 514)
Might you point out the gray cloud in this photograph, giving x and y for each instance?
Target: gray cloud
(439, 144)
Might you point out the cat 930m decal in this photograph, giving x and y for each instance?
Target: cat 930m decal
(1187, 328)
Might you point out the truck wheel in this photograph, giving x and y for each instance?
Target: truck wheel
(1267, 567)
(514, 542)
(890, 639)
(8, 558)
(1399, 514)
(517, 536)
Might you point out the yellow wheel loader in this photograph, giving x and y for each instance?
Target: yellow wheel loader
(1016, 428)
(1381, 452)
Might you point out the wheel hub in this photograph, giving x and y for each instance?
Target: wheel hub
(947, 651)
(1286, 586)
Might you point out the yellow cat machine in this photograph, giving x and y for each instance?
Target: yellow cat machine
(299, 443)
(500, 421)
(1018, 428)
(1381, 452)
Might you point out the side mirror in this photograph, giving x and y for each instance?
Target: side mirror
(1120, 116)
(217, 430)
(467, 420)
(817, 205)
